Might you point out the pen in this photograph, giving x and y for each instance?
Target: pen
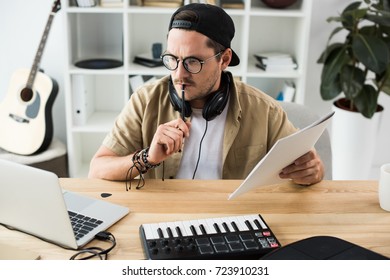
(182, 107)
(183, 103)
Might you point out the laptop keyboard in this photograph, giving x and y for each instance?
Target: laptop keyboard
(82, 224)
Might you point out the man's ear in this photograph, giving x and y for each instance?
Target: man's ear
(226, 58)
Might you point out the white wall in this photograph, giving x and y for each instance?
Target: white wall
(21, 27)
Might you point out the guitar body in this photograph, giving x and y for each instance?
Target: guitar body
(27, 125)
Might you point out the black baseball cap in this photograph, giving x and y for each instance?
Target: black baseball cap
(212, 21)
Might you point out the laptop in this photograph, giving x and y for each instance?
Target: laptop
(32, 201)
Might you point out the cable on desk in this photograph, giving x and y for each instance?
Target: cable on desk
(91, 252)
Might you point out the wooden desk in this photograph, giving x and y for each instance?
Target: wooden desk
(345, 209)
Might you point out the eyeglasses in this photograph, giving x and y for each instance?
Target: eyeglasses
(191, 64)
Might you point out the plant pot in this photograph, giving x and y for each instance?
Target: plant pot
(353, 143)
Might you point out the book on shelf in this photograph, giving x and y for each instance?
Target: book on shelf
(274, 58)
(163, 3)
(274, 61)
(226, 4)
(274, 55)
(147, 59)
(111, 3)
(86, 3)
(232, 4)
(279, 67)
(211, 2)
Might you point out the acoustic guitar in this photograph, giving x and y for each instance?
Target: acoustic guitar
(26, 123)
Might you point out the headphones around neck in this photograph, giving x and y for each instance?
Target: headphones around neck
(214, 105)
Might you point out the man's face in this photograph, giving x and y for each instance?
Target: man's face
(184, 43)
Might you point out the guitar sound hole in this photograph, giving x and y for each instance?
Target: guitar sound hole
(26, 94)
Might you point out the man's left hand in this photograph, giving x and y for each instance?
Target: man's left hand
(305, 170)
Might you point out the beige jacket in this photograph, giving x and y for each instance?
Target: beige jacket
(254, 122)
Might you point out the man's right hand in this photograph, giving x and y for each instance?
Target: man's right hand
(168, 139)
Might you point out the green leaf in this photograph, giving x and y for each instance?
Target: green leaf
(352, 15)
(352, 80)
(381, 7)
(369, 30)
(385, 4)
(380, 19)
(330, 77)
(372, 52)
(385, 30)
(336, 19)
(350, 9)
(335, 31)
(330, 90)
(328, 51)
(367, 101)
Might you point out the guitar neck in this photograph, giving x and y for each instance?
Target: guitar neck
(38, 55)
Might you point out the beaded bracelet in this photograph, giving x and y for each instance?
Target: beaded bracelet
(142, 167)
(137, 163)
(147, 164)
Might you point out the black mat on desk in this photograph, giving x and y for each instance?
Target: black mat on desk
(323, 248)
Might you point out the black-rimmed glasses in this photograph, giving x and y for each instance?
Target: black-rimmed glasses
(191, 64)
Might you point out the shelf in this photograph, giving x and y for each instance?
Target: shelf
(150, 10)
(137, 69)
(93, 10)
(94, 97)
(254, 71)
(113, 71)
(98, 122)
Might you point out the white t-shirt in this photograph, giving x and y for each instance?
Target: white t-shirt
(210, 163)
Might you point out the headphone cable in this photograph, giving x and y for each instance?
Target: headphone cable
(200, 150)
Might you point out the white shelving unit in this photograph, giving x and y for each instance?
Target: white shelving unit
(95, 97)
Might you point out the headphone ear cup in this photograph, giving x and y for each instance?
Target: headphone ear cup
(177, 102)
(215, 105)
(217, 102)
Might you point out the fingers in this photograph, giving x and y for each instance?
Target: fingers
(168, 139)
(306, 170)
(184, 127)
(303, 177)
(176, 130)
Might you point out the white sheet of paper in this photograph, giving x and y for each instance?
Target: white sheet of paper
(282, 154)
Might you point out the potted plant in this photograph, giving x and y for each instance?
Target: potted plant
(358, 68)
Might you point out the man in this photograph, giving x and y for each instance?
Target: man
(221, 131)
